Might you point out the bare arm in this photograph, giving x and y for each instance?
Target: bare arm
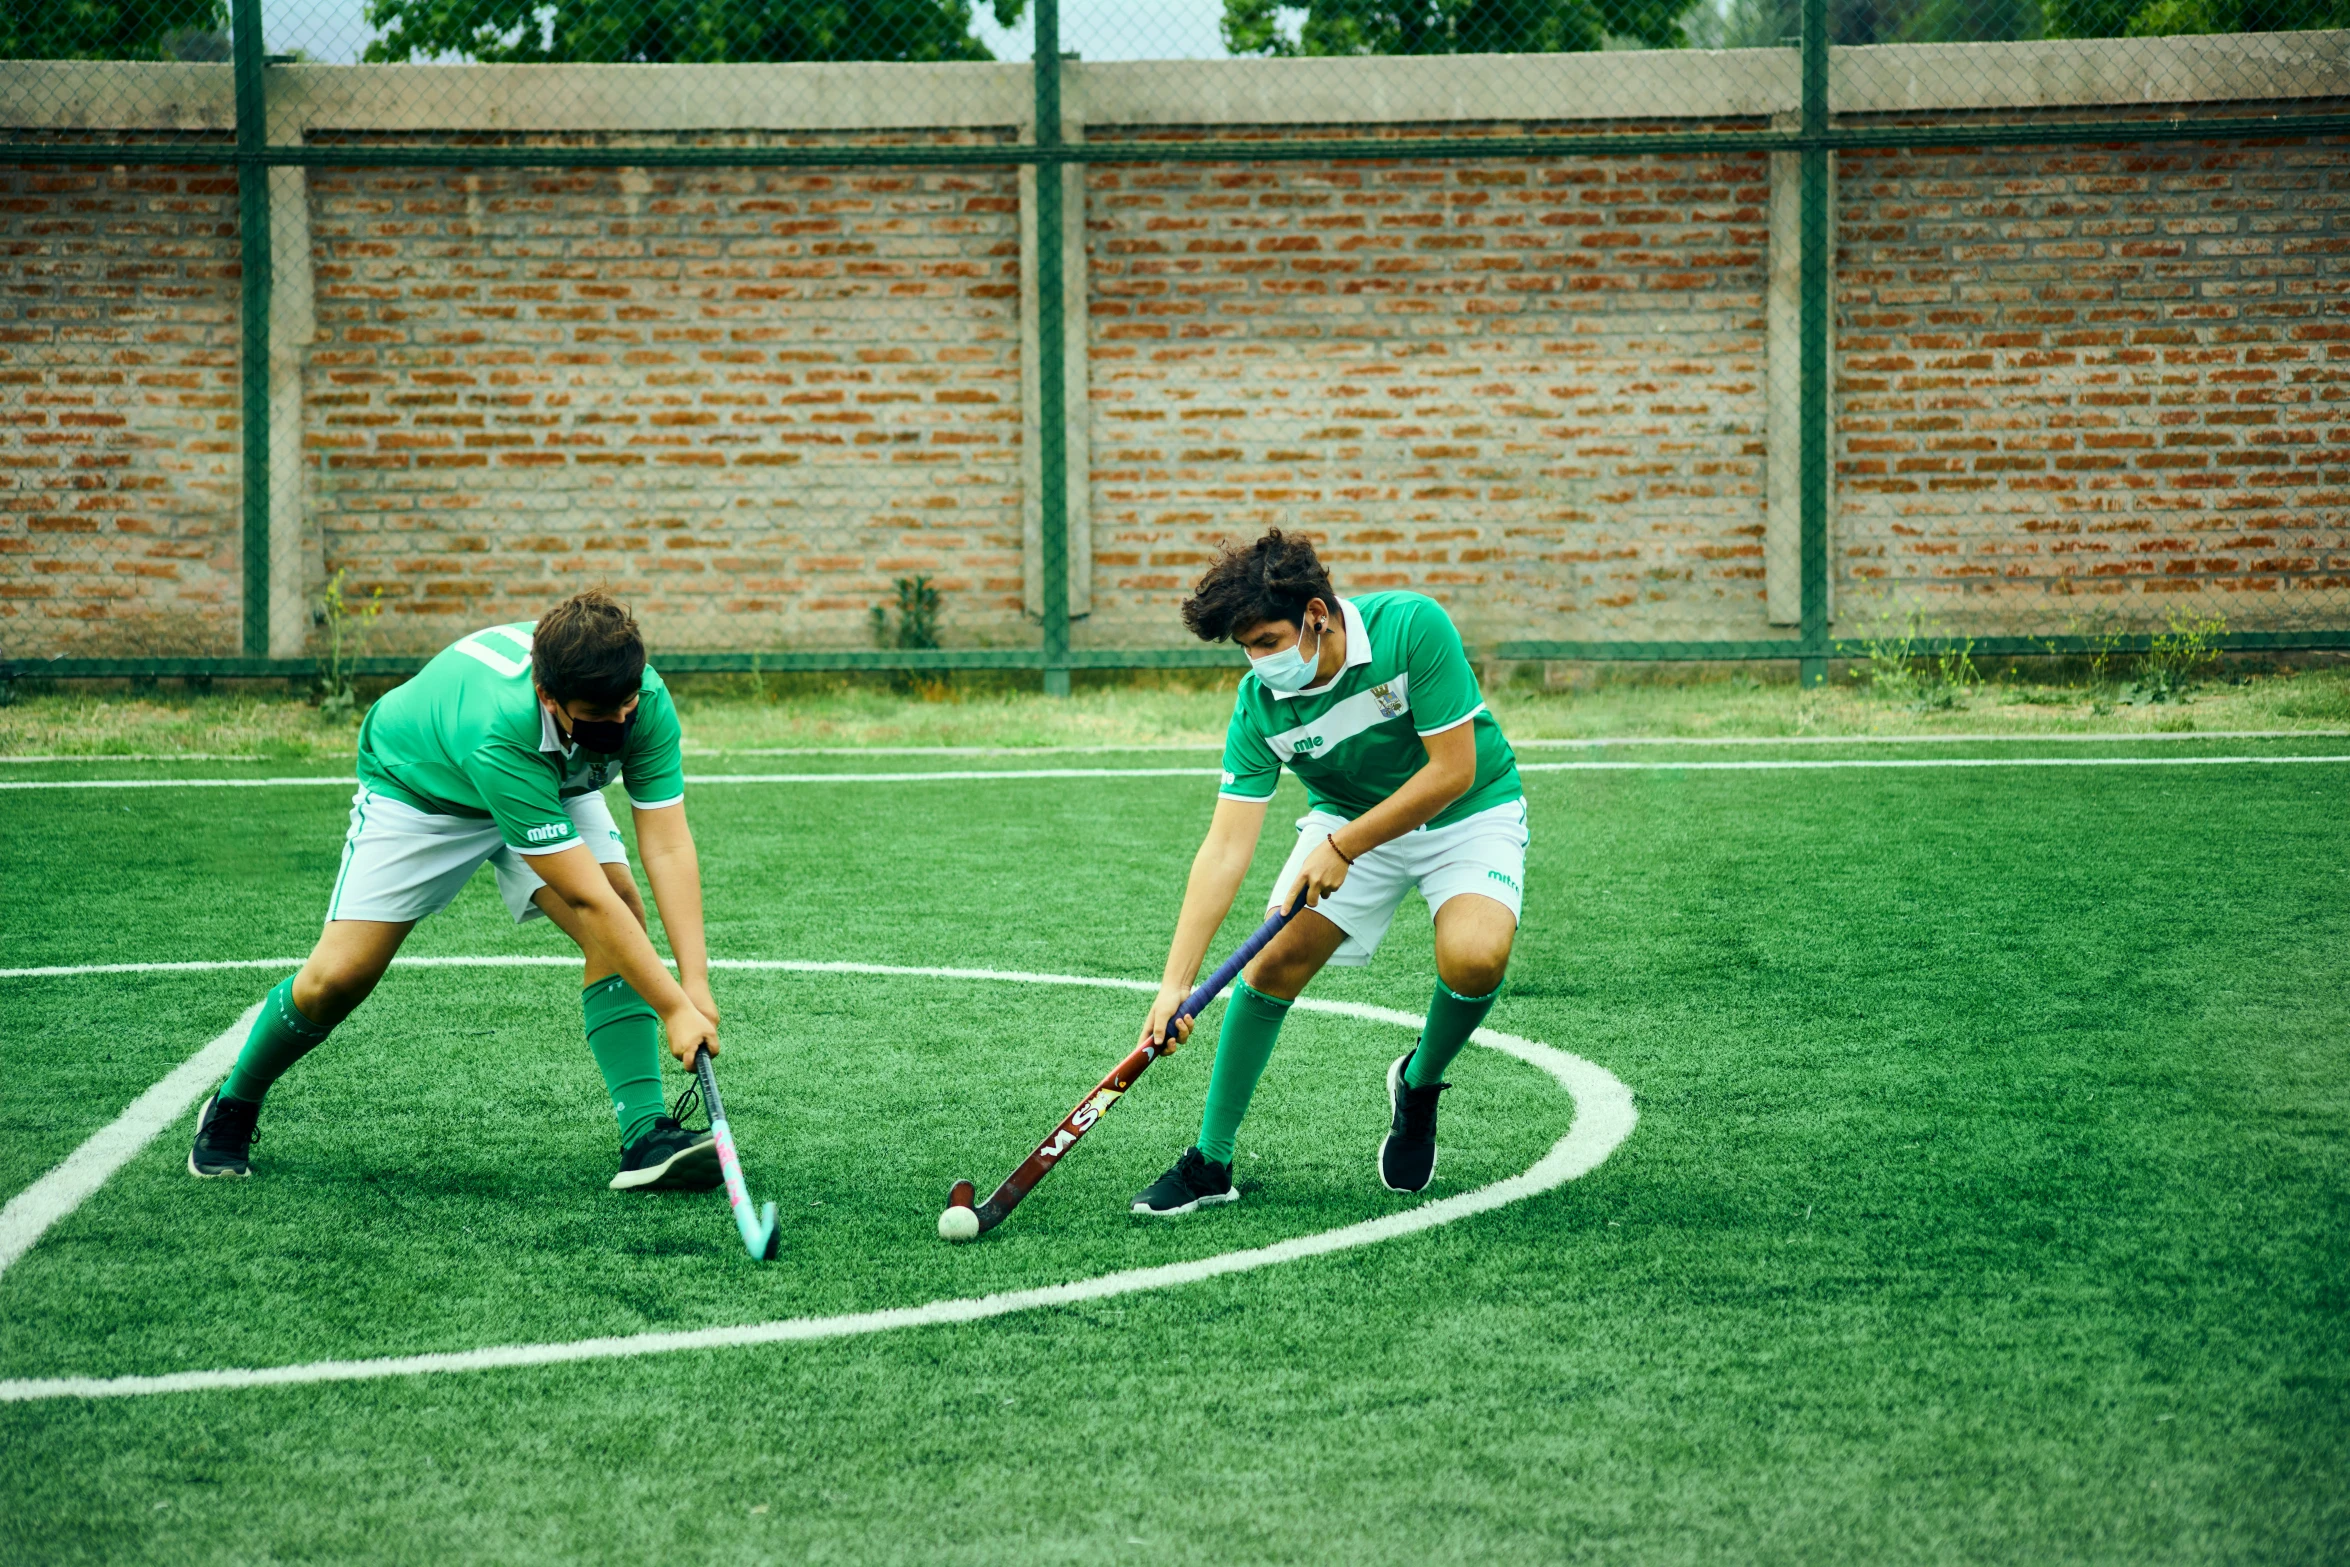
(666, 843)
(1216, 874)
(1451, 768)
(574, 876)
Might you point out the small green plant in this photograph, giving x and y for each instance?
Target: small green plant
(753, 686)
(2105, 650)
(1926, 679)
(917, 618)
(916, 626)
(2181, 654)
(1948, 677)
(1889, 654)
(346, 625)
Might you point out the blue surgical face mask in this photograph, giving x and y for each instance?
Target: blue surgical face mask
(1290, 670)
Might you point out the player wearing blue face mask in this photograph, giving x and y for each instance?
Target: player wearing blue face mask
(1373, 704)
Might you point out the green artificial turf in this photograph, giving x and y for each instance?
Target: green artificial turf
(1990, 1199)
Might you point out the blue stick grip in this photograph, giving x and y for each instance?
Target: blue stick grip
(1213, 986)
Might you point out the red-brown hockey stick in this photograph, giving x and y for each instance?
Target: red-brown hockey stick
(1106, 1093)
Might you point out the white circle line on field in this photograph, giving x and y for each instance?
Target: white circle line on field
(1604, 1117)
(1019, 774)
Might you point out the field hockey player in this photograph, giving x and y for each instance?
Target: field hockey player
(1372, 703)
(497, 754)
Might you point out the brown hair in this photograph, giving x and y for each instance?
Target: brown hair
(1272, 579)
(588, 649)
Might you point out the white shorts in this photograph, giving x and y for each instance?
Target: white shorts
(401, 864)
(1484, 854)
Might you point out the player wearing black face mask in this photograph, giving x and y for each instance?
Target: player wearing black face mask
(603, 736)
(498, 752)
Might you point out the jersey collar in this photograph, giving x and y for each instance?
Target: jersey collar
(1358, 652)
(551, 738)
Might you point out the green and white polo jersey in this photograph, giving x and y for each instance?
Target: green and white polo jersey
(1354, 740)
(467, 737)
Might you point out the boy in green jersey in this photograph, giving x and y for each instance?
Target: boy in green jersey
(1409, 783)
(497, 753)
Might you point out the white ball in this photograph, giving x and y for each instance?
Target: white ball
(958, 1224)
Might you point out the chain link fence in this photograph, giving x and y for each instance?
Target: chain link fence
(1631, 329)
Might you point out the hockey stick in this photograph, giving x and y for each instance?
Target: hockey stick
(962, 1221)
(759, 1236)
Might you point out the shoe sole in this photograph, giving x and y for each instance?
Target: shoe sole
(225, 1172)
(1395, 1103)
(1193, 1206)
(692, 1169)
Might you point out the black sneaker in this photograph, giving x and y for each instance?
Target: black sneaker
(1407, 1155)
(669, 1158)
(1196, 1181)
(224, 1139)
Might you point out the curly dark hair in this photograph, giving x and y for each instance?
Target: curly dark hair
(588, 649)
(1272, 579)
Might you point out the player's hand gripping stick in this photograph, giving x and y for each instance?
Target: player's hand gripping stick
(963, 1221)
(758, 1227)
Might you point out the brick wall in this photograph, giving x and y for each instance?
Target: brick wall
(1534, 390)
(743, 398)
(2096, 383)
(2076, 384)
(118, 411)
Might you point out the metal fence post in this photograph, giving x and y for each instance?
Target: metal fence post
(1818, 279)
(1052, 370)
(253, 255)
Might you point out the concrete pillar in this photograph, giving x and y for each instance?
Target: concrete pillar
(296, 558)
(1076, 414)
(1783, 424)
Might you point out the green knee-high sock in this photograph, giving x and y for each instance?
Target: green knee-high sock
(625, 1037)
(281, 1036)
(1252, 1021)
(1452, 1018)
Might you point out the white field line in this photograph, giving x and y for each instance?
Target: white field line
(952, 750)
(1604, 1117)
(2108, 737)
(346, 781)
(30, 1212)
(1600, 744)
(147, 756)
(68, 970)
(1871, 763)
(975, 775)
(780, 965)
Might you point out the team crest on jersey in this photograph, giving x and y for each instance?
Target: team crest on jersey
(1389, 703)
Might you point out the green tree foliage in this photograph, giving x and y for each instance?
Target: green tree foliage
(1450, 26)
(1761, 24)
(678, 31)
(2158, 18)
(107, 29)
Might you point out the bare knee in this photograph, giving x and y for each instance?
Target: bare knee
(1480, 975)
(1279, 975)
(1474, 963)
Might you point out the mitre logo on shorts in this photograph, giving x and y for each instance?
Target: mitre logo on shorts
(548, 833)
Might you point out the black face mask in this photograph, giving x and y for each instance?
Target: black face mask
(603, 736)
